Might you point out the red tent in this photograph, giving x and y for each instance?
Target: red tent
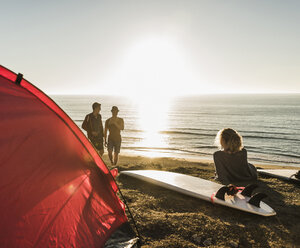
(55, 191)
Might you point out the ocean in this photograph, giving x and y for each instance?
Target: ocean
(185, 127)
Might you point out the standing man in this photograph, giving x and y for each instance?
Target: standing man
(93, 125)
(114, 124)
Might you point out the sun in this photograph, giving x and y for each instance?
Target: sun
(153, 66)
(151, 72)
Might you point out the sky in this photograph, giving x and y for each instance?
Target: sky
(164, 47)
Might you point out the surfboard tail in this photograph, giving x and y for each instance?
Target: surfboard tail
(248, 190)
(256, 199)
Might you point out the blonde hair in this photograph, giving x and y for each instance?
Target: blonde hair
(229, 140)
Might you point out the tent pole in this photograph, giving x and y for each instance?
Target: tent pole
(126, 204)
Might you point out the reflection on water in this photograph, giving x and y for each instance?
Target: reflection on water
(153, 118)
(269, 123)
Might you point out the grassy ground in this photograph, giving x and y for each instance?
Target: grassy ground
(167, 219)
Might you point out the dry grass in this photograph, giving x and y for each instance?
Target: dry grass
(168, 219)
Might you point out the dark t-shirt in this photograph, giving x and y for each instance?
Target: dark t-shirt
(234, 167)
(114, 132)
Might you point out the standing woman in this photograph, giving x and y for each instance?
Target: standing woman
(231, 161)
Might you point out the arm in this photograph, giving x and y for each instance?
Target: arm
(253, 171)
(101, 127)
(220, 170)
(84, 123)
(251, 167)
(105, 132)
(120, 124)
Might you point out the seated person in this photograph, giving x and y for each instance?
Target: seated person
(231, 162)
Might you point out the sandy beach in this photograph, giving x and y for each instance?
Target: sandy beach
(175, 220)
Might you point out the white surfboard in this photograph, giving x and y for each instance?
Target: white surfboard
(199, 188)
(282, 174)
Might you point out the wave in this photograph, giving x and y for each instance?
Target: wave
(187, 133)
(253, 151)
(213, 132)
(274, 153)
(251, 157)
(213, 135)
(198, 129)
(264, 132)
(240, 131)
(195, 124)
(169, 150)
(171, 131)
(270, 138)
(271, 161)
(206, 147)
(150, 148)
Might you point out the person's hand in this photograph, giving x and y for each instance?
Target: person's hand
(112, 121)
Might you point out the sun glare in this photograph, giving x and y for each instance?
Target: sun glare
(153, 118)
(153, 66)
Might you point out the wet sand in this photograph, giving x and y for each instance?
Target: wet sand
(168, 219)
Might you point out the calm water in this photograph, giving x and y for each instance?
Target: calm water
(186, 127)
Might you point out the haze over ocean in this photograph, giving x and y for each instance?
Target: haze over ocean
(186, 126)
(154, 51)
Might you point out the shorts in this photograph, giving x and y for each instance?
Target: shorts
(98, 145)
(114, 145)
(97, 142)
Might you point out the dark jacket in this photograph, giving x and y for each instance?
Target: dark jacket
(234, 167)
(93, 124)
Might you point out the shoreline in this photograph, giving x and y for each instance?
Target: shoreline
(166, 219)
(201, 160)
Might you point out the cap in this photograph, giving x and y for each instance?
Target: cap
(114, 108)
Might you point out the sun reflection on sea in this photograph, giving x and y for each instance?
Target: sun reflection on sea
(153, 118)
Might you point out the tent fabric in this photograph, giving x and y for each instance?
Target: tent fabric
(55, 191)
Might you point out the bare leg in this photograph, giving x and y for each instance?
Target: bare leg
(101, 152)
(110, 156)
(116, 156)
